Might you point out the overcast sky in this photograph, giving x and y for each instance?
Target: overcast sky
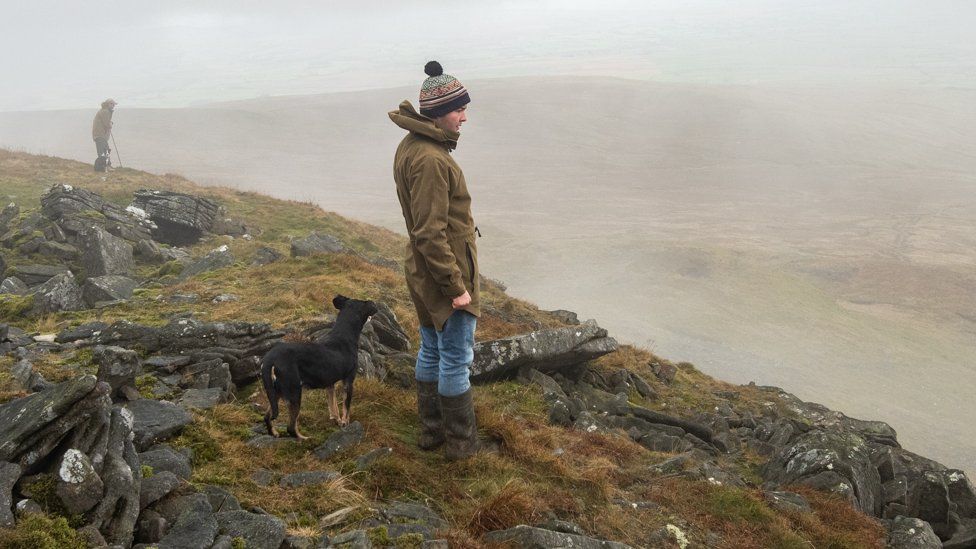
(177, 53)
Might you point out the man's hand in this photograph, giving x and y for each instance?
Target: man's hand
(462, 300)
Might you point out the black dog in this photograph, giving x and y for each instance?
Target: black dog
(288, 367)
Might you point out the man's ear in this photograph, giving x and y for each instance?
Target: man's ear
(339, 300)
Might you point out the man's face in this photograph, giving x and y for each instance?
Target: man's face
(452, 121)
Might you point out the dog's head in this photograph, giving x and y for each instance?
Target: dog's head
(362, 309)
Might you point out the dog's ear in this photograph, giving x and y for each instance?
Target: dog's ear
(339, 300)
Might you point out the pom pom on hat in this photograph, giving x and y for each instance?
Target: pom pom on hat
(433, 68)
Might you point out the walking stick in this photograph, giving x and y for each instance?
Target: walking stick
(114, 146)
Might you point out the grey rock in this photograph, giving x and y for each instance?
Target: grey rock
(964, 538)
(23, 418)
(28, 507)
(194, 527)
(298, 542)
(245, 370)
(337, 518)
(220, 499)
(367, 460)
(7, 214)
(664, 371)
(268, 441)
(78, 485)
(58, 250)
(180, 219)
(32, 275)
(117, 366)
(265, 256)
(13, 285)
(307, 478)
(836, 461)
(108, 288)
(401, 511)
(223, 542)
(674, 464)
(316, 243)
(26, 378)
(149, 251)
(163, 458)
(151, 527)
(201, 399)
(90, 535)
(787, 501)
(258, 531)
(9, 474)
(156, 487)
(83, 331)
(224, 298)
(566, 317)
(354, 539)
(215, 259)
(156, 421)
(544, 350)
(388, 330)
(106, 254)
(60, 293)
(912, 533)
(341, 440)
(166, 364)
(536, 538)
(961, 492)
(563, 526)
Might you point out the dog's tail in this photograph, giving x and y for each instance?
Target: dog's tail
(270, 388)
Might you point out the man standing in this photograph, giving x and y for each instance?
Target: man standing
(102, 129)
(442, 261)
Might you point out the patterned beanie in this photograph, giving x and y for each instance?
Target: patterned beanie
(441, 93)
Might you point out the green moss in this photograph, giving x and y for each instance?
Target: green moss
(205, 449)
(238, 543)
(147, 471)
(44, 492)
(173, 268)
(14, 307)
(34, 531)
(410, 541)
(145, 384)
(379, 536)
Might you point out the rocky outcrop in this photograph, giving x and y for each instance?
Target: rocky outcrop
(215, 259)
(155, 421)
(35, 274)
(107, 288)
(544, 350)
(529, 536)
(72, 434)
(180, 219)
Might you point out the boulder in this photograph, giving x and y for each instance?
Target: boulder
(163, 458)
(156, 487)
(258, 531)
(107, 288)
(193, 526)
(912, 533)
(78, 485)
(63, 200)
(26, 378)
(367, 460)
(106, 254)
(58, 250)
(201, 399)
(156, 421)
(544, 350)
(316, 243)
(537, 538)
(787, 501)
(13, 285)
(180, 219)
(23, 418)
(60, 293)
(216, 259)
(388, 330)
(33, 274)
(220, 499)
(265, 255)
(7, 214)
(117, 366)
(82, 331)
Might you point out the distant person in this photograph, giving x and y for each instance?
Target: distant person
(101, 131)
(442, 263)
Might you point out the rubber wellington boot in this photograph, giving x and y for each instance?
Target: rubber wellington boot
(429, 410)
(460, 428)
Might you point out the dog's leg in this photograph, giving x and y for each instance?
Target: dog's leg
(333, 411)
(294, 409)
(347, 402)
(268, 376)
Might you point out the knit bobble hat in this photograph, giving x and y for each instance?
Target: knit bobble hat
(441, 93)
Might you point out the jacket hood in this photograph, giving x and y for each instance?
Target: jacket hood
(409, 119)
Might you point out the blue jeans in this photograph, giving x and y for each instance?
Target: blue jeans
(445, 356)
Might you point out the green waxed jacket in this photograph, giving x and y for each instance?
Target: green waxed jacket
(442, 256)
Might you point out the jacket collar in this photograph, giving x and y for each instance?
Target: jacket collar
(409, 119)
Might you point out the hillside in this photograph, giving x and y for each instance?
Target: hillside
(816, 238)
(627, 447)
